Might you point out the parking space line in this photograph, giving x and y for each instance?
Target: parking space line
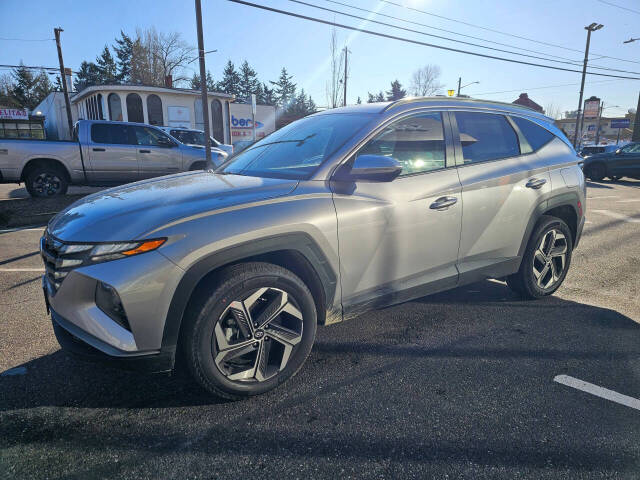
(21, 229)
(21, 269)
(628, 200)
(617, 216)
(603, 196)
(598, 391)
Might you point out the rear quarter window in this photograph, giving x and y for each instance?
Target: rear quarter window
(536, 136)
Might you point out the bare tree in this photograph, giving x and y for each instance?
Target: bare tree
(157, 55)
(553, 111)
(334, 84)
(424, 81)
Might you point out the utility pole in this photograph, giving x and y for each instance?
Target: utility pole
(598, 123)
(459, 82)
(346, 74)
(203, 85)
(635, 137)
(589, 28)
(63, 78)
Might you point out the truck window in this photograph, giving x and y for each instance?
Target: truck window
(149, 136)
(110, 133)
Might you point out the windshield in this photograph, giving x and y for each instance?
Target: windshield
(190, 137)
(295, 151)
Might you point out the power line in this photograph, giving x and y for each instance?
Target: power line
(547, 86)
(31, 67)
(27, 39)
(619, 6)
(417, 42)
(500, 32)
(570, 62)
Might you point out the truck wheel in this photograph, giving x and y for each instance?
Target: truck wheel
(46, 181)
(546, 260)
(596, 172)
(251, 332)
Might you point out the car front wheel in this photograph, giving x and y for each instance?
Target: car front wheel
(252, 332)
(546, 260)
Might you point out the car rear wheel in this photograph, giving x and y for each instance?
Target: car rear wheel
(546, 260)
(596, 172)
(46, 181)
(252, 332)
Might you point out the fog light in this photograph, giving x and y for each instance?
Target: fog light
(108, 300)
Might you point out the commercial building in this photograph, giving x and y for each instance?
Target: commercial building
(608, 133)
(162, 106)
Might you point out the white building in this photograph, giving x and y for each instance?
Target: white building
(162, 106)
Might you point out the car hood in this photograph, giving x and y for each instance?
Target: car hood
(128, 212)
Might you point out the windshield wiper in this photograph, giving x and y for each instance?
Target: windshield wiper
(299, 141)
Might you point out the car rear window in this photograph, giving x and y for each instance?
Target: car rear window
(110, 133)
(536, 136)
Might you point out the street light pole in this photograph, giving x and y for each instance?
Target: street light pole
(203, 86)
(463, 86)
(589, 28)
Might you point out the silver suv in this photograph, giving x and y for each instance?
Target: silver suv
(340, 212)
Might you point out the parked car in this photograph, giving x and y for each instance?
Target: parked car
(623, 162)
(593, 149)
(337, 213)
(196, 137)
(102, 153)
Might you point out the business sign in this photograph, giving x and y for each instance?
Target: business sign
(242, 124)
(620, 123)
(13, 114)
(591, 108)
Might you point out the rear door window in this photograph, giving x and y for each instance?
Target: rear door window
(486, 136)
(149, 136)
(536, 136)
(110, 134)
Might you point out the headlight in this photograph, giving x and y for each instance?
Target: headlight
(112, 251)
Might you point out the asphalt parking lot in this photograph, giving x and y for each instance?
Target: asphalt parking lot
(470, 383)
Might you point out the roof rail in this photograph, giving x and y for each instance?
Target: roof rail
(409, 100)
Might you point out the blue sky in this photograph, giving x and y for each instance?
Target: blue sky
(269, 41)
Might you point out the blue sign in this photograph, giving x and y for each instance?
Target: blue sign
(244, 123)
(620, 123)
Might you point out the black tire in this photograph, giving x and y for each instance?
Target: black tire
(596, 172)
(199, 340)
(46, 181)
(615, 178)
(524, 281)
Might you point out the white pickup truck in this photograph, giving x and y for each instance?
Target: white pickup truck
(103, 153)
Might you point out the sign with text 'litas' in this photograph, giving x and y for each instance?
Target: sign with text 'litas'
(13, 114)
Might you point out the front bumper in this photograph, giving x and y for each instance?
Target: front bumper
(86, 347)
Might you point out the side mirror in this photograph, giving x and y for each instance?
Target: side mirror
(371, 168)
(165, 142)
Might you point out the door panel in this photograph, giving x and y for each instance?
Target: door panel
(499, 195)
(156, 159)
(627, 162)
(393, 244)
(112, 156)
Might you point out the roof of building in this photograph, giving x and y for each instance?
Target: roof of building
(144, 88)
(525, 101)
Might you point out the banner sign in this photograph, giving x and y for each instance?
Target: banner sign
(620, 123)
(13, 114)
(591, 108)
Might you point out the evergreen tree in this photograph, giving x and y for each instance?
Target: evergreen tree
(371, 97)
(107, 68)
(380, 97)
(42, 88)
(248, 81)
(268, 95)
(58, 84)
(124, 52)
(230, 82)
(396, 92)
(28, 89)
(87, 76)
(195, 82)
(284, 89)
(301, 105)
(359, 101)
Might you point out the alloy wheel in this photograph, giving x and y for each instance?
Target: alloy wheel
(255, 337)
(550, 258)
(47, 184)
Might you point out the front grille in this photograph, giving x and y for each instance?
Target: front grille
(57, 263)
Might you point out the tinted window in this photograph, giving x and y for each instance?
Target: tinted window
(416, 142)
(296, 150)
(536, 136)
(134, 108)
(115, 107)
(485, 136)
(631, 148)
(154, 110)
(148, 136)
(108, 133)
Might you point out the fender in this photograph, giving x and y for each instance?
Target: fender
(300, 242)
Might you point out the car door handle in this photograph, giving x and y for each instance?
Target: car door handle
(98, 149)
(535, 183)
(443, 203)
(144, 151)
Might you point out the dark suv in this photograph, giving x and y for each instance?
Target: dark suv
(623, 162)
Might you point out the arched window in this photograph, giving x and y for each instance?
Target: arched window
(115, 107)
(94, 108)
(216, 115)
(199, 118)
(134, 108)
(100, 115)
(154, 110)
(89, 109)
